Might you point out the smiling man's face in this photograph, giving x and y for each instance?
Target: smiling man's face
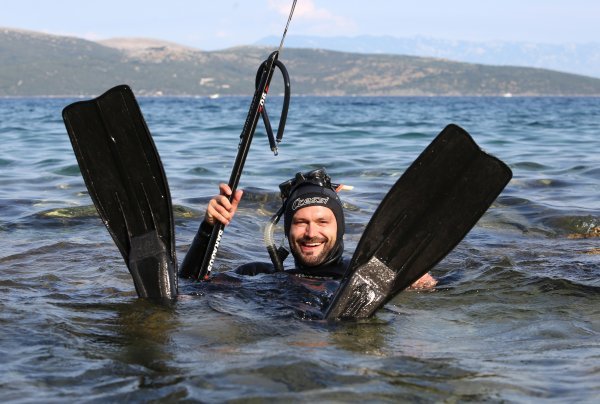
(313, 234)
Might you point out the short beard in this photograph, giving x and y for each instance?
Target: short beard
(311, 260)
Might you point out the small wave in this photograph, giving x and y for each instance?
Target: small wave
(414, 135)
(76, 212)
(540, 219)
(51, 218)
(520, 276)
(201, 171)
(575, 226)
(49, 162)
(71, 170)
(546, 182)
(529, 166)
(592, 173)
(4, 162)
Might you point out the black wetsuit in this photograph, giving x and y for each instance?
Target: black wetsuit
(334, 267)
(333, 270)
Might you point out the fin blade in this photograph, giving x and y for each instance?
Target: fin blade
(124, 176)
(429, 210)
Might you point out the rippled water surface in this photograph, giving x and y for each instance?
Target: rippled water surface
(515, 317)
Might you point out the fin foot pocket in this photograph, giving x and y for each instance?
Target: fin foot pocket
(151, 267)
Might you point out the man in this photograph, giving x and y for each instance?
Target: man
(313, 223)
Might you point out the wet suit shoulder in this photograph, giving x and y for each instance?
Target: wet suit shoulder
(333, 270)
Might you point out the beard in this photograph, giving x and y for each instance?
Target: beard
(311, 259)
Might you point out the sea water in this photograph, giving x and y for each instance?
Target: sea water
(515, 316)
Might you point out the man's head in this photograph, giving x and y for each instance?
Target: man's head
(314, 224)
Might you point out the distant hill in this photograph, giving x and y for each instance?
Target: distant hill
(34, 64)
(580, 58)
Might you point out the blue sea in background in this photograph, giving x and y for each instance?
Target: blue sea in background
(515, 317)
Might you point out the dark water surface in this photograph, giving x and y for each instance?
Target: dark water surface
(515, 317)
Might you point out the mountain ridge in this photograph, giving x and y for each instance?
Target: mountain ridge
(36, 64)
(577, 58)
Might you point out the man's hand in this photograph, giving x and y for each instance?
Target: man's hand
(425, 282)
(220, 209)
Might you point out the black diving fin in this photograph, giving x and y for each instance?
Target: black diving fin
(126, 181)
(423, 217)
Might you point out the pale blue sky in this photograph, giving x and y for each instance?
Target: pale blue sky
(218, 24)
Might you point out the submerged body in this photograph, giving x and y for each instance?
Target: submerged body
(314, 226)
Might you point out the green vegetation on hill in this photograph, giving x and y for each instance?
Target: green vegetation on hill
(34, 64)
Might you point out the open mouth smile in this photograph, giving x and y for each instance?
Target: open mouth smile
(309, 246)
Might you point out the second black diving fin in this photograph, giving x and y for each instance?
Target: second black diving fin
(423, 217)
(126, 181)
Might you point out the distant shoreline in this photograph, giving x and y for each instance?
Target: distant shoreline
(41, 65)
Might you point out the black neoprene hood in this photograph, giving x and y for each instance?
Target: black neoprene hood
(314, 195)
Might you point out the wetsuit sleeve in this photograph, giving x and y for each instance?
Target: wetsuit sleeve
(190, 267)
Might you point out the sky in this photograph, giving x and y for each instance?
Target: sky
(211, 25)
